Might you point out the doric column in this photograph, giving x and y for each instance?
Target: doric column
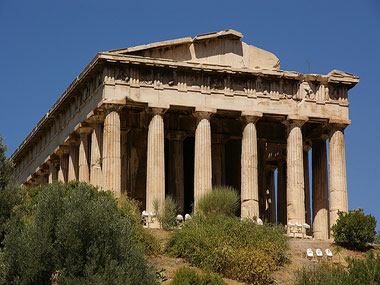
(337, 173)
(249, 174)
(307, 183)
(73, 169)
(202, 156)
(295, 173)
(155, 178)
(53, 168)
(96, 174)
(63, 154)
(111, 150)
(84, 155)
(320, 190)
(281, 193)
(176, 170)
(218, 160)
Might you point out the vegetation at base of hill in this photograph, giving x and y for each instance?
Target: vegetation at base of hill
(74, 234)
(354, 230)
(221, 200)
(224, 244)
(188, 276)
(365, 271)
(166, 213)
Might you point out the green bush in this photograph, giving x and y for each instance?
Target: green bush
(166, 213)
(237, 249)
(354, 230)
(220, 201)
(73, 234)
(188, 276)
(366, 271)
(131, 210)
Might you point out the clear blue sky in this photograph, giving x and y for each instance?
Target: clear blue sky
(45, 44)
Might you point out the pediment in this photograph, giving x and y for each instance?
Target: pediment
(221, 48)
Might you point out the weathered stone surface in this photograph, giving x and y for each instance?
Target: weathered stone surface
(96, 174)
(84, 155)
(320, 191)
(211, 74)
(202, 157)
(249, 174)
(111, 151)
(155, 179)
(337, 173)
(295, 174)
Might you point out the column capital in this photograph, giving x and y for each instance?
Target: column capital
(97, 118)
(63, 149)
(295, 121)
(200, 115)
(250, 117)
(333, 127)
(108, 108)
(156, 110)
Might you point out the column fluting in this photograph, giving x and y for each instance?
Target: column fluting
(202, 159)
(337, 173)
(320, 191)
(249, 172)
(295, 174)
(111, 151)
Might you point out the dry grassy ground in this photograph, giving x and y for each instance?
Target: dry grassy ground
(285, 275)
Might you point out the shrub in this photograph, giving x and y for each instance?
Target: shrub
(188, 276)
(238, 249)
(365, 271)
(221, 200)
(75, 234)
(166, 213)
(354, 229)
(131, 210)
(322, 274)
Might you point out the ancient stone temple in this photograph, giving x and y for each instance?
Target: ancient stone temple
(180, 116)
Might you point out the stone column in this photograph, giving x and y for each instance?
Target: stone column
(84, 155)
(63, 154)
(307, 184)
(73, 169)
(295, 173)
(111, 150)
(281, 193)
(249, 174)
(337, 173)
(218, 160)
(320, 191)
(96, 174)
(202, 156)
(155, 178)
(176, 170)
(53, 169)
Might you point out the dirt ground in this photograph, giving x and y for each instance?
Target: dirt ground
(285, 275)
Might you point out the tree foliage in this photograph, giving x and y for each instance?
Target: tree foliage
(73, 234)
(354, 229)
(6, 166)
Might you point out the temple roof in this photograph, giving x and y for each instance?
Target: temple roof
(223, 48)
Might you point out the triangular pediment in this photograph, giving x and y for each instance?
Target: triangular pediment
(221, 48)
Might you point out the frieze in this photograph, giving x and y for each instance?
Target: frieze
(227, 84)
